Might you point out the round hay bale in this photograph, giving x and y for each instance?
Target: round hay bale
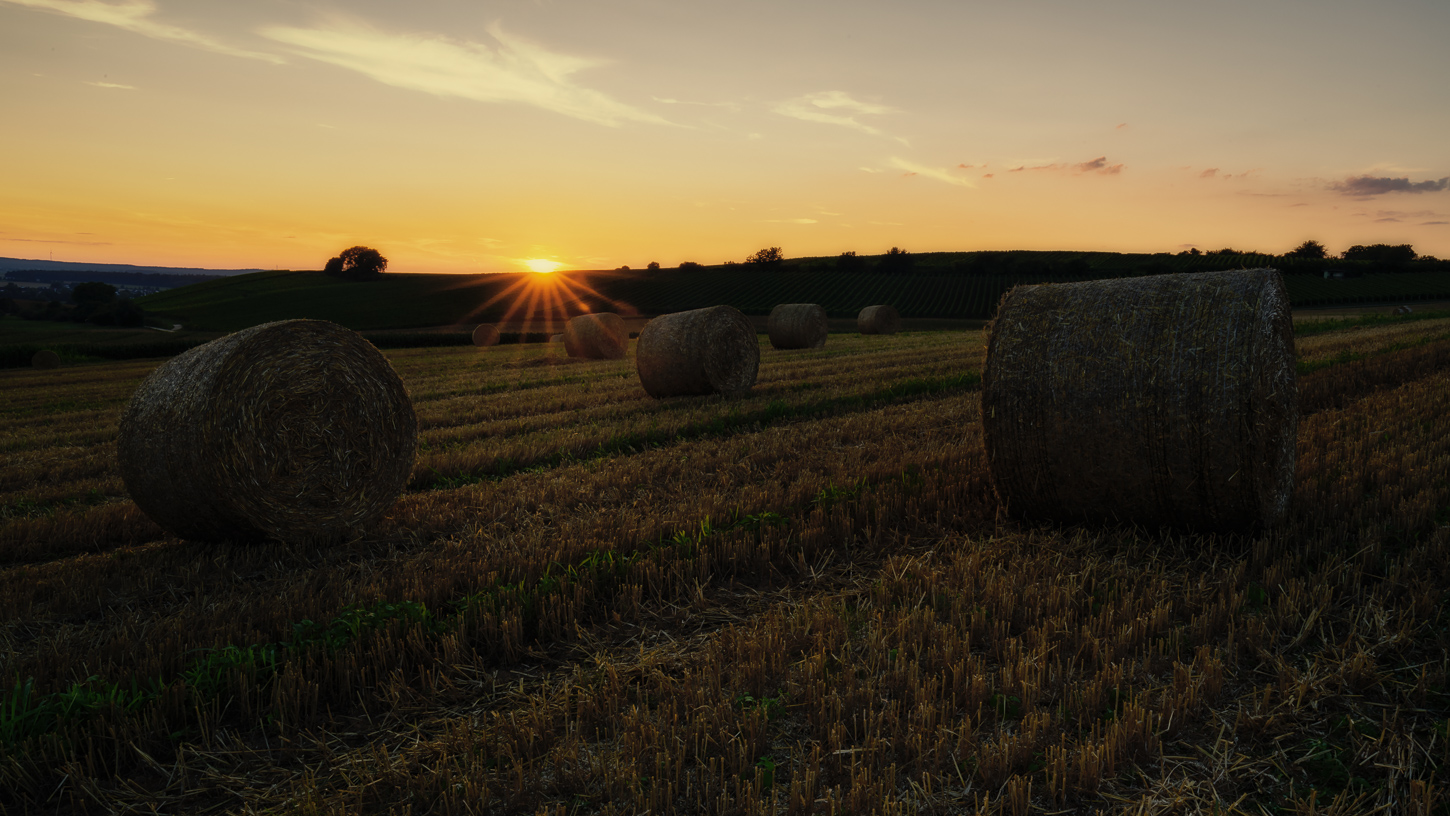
(558, 338)
(45, 359)
(298, 430)
(485, 335)
(702, 351)
(601, 336)
(1167, 400)
(1403, 310)
(878, 320)
(797, 326)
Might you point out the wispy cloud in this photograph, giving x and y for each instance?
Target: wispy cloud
(939, 174)
(833, 108)
(1099, 165)
(789, 221)
(664, 100)
(510, 70)
(113, 85)
(1433, 223)
(136, 16)
(1366, 186)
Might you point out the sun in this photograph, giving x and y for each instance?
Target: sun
(541, 265)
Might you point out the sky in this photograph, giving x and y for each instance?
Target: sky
(474, 136)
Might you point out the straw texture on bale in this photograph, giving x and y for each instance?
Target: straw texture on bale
(298, 430)
(45, 358)
(878, 320)
(702, 351)
(485, 335)
(797, 326)
(1165, 401)
(601, 336)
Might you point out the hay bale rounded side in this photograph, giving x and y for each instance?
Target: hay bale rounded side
(1167, 400)
(702, 351)
(881, 319)
(298, 430)
(797, 326)
(601, 336)
(45, 359)
(485, 335)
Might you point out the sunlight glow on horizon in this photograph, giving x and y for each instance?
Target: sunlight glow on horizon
(542, 266)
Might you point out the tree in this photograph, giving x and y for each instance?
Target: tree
(357, 263)
(93, 293)
(652, 265)
(690, 265)
(1380, 252)
(1308, 249)
(850, 262)
(896, 260)
(770, 256)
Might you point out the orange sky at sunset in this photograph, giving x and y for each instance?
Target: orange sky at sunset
(462, 136)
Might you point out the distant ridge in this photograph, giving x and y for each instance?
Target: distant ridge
(22, 264)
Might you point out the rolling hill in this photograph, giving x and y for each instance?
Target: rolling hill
(959, 285)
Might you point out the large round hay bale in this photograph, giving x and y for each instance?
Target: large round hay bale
(601, 336)
(797, 326)
(298, 430)
(485, 335)
(702, 351)
(1167, 400)
(878, 320)
(45, 359)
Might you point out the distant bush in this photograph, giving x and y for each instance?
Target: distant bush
(1380, 252)
(690, 265)
(1308, 249)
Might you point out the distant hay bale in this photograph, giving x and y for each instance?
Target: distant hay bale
(797, 326)
(558, 338)
(878, 320)
(703, 351)
(1403, 310)
(298, 430)
(485, 335)
(1167, 400)
(601, 336)
(45, 359)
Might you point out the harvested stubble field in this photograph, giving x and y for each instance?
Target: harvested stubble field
(804, 601)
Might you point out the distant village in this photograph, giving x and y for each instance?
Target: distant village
(57, 285)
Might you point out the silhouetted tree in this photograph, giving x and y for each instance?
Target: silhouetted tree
(1308, 249)
(690, 265)
(653, 265)
(93, 293)
(1380, 252)
(896, 261)
(770, 256)
(357, 263)
(850, 262)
